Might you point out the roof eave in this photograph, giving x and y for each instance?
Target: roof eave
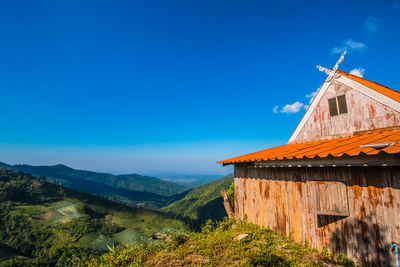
(380, 159)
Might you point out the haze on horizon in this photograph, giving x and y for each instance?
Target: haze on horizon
(172, 87)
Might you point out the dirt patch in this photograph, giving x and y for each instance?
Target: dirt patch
(68, 210)
(61, 213)
(48, 215)
(317, 259)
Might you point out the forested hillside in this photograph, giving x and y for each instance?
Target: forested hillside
(44, 224)
(202, 203)
(132, 189)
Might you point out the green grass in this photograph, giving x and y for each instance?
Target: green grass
(30, 210)
(129, 237)
(218, 246)
(85, 240)
(97, 241)
(101, 243)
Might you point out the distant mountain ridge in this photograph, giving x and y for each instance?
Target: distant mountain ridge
(131, 189)
(135, 182)
(189, 180)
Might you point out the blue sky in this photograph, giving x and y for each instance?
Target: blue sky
(173, 86)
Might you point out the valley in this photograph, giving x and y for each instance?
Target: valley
(201, 203)
(45, 223)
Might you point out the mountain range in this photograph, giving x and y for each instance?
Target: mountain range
(130, 189)
(194, 205)
(189, 180)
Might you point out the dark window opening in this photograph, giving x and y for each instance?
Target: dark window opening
(342, 104)
(337, 105)
(324, 220)
(333, 107)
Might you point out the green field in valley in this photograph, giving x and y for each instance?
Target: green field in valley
(45, 224)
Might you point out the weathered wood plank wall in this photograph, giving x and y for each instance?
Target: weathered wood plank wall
(364, 113)
(281, 199)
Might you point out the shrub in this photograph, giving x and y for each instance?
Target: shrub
(231, 194)
(345, 261)
(326, 254)
(108, 229)
(208, 227)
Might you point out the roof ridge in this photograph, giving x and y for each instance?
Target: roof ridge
(362, 78)
(393, 94)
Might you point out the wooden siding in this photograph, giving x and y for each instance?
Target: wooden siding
(320, 195)
(279, 198)
(364, 113)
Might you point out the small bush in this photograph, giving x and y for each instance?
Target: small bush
(208, 227)
(231, 194)
(176, 239)
(108, 229)
(326, 254)
(345, 261)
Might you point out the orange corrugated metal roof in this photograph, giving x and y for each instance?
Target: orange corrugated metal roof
(373, 85)
(337, 147)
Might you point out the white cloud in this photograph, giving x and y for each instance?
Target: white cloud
(296, 106)
(293, 108)
(348, 45)
(338, 50)
(354, 45)
(312, 95)
(371, 24)
(358, 72)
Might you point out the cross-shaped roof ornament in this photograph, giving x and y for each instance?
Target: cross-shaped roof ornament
(332, 72)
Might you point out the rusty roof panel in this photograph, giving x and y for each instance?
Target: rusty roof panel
(338, 147)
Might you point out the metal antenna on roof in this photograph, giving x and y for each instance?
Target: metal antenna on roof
(332, 72)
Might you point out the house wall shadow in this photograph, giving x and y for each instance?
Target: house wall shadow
(360, 239)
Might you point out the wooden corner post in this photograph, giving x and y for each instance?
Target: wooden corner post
(227, 205)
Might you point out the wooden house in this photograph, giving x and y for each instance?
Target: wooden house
(336, 183)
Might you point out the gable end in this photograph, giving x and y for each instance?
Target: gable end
(368, 110)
